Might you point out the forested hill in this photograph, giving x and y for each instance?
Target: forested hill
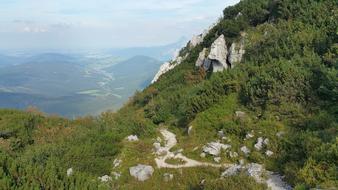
(273, 104)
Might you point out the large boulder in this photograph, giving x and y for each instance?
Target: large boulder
(201, 58)
(215, 148)
(255, 170)
(141, 172)
(259, 144)
(217, 58)
(245, 150)
(233, 170)
(132, 138)
(196, 40)
(236, 53)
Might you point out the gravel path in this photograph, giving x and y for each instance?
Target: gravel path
(273, 181)
(170, 142)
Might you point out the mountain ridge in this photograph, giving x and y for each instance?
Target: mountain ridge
(276, 110)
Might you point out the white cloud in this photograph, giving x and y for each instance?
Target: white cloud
(28, 29)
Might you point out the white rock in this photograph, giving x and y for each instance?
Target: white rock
(69, 172)
(236, 53)
(105, 178)
(259, 144)
(215, 148)
(245, 150)
(280, 134)
(190, 130)
(241, 162)
(217, 58)
(233, 154)
(217, 159)
(226, 139)
(157, 146)
(203, 155)
(249, 135)
(269, 153)
(168, 177)
(240, 114)
(141, 172)
(167, 66)
(117, 163)
(233, 170)
(116, 175)
(255, 170)
(221, 134)
(275, 182)
(158, 139)
(266, 141)
(201, 58)
(196, 39)
(132, 138)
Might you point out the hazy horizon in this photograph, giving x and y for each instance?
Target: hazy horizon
(85, 24)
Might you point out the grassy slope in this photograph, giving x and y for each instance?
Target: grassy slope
(287, 82)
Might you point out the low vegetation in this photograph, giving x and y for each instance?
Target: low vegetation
(287, 84)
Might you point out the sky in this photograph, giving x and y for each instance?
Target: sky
(95, 24)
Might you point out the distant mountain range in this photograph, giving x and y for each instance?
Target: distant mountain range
(162, 53)
(72, 85)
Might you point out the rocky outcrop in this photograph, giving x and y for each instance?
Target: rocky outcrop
(245, 150)
(217, 58)
(69, 172)
(132, 138)
(259, 144)
(167, 66)
(220, 57)
(105, 178)
(197, 39)
(236, 53)
(201, 58)
(257, 171)
(233, 170)
(215, 148)
(141, 172)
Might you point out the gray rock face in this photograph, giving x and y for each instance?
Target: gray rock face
(105, 178)
(233, 170)
(117, 163)
(69, 172)
(201, 58)
(132, 138)
(233, 154)
(236, 53)
(255, 170)
(141, 172)
(218, 55)
(215, 148)
(259, 144)
(245, 150)
(167, 66)
(196, 40)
